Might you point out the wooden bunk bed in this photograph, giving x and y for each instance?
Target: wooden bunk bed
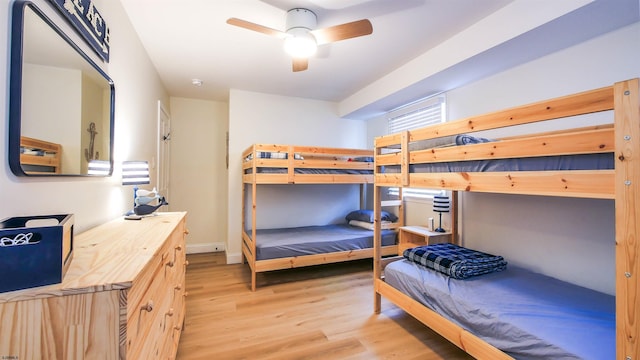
(39, 156)
(620, 182)
(287, 164)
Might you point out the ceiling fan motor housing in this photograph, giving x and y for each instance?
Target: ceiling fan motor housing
(301, 18)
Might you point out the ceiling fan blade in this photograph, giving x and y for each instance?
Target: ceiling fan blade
(343, 32)
(256, 27)
(300, 64)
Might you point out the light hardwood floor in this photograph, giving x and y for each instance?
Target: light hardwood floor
(319, 312)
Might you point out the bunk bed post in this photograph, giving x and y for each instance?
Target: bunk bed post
(377, 234)
(401, 208)
(404, 162)
(455, 197)
(254, 189)
(290, 164)
(627, 199)
(243, 221)
(377, 241)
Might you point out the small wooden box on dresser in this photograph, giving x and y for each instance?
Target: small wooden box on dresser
(123, 297)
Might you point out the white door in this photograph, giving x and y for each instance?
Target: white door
(164, 152)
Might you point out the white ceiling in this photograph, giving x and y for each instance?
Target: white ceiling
(189, 39)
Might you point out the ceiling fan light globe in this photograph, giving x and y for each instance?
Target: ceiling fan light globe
(300, 43)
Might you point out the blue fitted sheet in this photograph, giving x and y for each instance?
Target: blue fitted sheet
(546, 163)
(309, 240)
(525, 314)
(267, 170)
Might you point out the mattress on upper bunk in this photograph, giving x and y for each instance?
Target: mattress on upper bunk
(525, 314)
(596, 161)
(284, 170)
(544, 163)
(266, 170)
(602, 161)
(310, 240)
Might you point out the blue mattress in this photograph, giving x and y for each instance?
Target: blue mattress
(526, 315)
(309, 240)
(267, 170)
(543, 163)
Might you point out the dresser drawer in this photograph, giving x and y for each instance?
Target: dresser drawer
(148, 300)
(178, 294)
(151, 344)
(154, 314)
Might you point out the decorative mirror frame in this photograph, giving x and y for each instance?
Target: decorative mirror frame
(15, 88)
(87, 21)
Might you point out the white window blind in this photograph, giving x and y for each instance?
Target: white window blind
(426, 194)
(419, 114)
(412, 116)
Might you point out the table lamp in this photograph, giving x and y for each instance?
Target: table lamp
(440, 205)
(135, 173)
(99, 168)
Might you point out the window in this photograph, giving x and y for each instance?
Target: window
(418, 114)
(412, 116)
(415, 193)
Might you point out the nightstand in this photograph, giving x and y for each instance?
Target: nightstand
(412, 236)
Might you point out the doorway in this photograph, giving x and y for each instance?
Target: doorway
(164, 151)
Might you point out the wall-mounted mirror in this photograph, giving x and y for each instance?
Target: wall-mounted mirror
(61, 103)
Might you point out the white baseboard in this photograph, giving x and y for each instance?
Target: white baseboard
(205, 248)
(234, 258)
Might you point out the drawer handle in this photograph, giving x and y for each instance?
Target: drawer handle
(168, 313)
(186, 263)
(185, 294)
(170, 263)
(175, 252)
(148, 307)
(186, 231)
(178, 328)
(178, 287)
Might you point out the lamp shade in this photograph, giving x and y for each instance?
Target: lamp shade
(99, 168)
(441, 203)
(135, 173)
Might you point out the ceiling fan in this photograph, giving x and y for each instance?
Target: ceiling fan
(301, 38)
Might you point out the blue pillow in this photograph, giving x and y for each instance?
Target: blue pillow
(367, 216)
(363, 159)
(464, 139)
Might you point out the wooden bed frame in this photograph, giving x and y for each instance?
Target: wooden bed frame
(621, 185)
(54, 162)
(312, 158)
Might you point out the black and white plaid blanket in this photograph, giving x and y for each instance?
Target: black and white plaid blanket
(455, 261)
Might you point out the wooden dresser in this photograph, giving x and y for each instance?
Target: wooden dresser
(123, 297)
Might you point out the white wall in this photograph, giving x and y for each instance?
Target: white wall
(272, 119)
(592, 64)
(138, 88)
(198, 174)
